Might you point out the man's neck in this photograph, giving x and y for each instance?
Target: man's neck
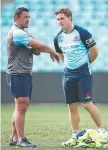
(69, 29)
(18, 25)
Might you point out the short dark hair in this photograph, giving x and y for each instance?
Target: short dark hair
(65, 11)
(19, 11)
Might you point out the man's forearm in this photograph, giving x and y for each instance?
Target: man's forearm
(40, 46)
(93, 53)
(92, 57)
(45, 49)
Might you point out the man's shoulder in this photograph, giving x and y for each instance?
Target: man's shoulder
(18, 33)
(80, 29)
(15, 29)
(57, 35)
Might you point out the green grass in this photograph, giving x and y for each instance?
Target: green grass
(47, 125)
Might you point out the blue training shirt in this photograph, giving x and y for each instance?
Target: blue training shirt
(74, 46)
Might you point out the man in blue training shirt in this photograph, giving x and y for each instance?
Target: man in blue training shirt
(77, 49)
(20, 49)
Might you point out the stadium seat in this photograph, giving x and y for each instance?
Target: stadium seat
(87, 13)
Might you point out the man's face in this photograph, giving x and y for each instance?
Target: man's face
(24, 19)
(63, 20)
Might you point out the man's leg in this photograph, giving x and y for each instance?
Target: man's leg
(85, 95)
(74, 121)
(14, 138)
(70, 87)
(74, 116)
(21, 106)
(14, 131)
(94, 112)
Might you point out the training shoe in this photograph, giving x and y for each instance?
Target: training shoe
(71, 142)
(104, 134)
(25, 143)
(12, 142)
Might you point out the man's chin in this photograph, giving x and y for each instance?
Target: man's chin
(62, 28)
(26, 26)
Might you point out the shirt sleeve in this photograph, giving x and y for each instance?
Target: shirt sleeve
(87, 38)
(58, 50)
(21, 37)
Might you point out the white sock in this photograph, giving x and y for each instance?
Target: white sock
(74, 134)
(19, 139)
(101, 129)
(14, 140)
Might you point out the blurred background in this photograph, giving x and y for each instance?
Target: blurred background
(47, 75)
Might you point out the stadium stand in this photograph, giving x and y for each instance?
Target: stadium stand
(91, 14)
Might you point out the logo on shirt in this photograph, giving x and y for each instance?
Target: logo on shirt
(89, 41)
(69, 47)
(76, 38)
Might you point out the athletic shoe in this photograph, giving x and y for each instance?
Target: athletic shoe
(12, 142)
(25, 143)
(71, 142)
(104, 134)
(81, 133)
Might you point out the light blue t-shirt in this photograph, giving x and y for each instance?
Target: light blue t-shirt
(74, 46)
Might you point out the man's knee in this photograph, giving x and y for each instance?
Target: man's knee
(86, 105)
(21, 104)
(22, 108)
(73, 107)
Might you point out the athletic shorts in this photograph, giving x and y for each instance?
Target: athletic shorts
(20, 84)
(77, 84)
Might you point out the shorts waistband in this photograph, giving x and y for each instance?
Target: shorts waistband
(81, 68)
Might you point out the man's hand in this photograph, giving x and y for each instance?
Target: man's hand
(54, 56)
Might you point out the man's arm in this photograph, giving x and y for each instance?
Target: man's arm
(89, 42)
(35, 51)
(43, 48)
(40, 46)
(93, 53)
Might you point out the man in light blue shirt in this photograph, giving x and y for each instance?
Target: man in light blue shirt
(77, 49)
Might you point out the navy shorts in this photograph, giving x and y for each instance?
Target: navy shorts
(20, 85)
(77, 84)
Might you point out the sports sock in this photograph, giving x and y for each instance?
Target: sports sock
(101, 129)
(14, 140)
(74, 134)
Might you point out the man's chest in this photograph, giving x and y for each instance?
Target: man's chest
(69, 42)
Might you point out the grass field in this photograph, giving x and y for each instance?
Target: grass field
(47, 125)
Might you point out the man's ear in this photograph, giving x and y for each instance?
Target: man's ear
(16, 18)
